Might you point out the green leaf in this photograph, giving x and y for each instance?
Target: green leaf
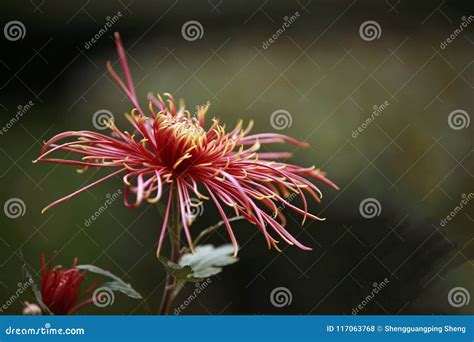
(116, 284)
(34, 287)
(205, 262)
(182, 274)
(208, 260)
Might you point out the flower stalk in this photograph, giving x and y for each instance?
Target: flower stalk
(171, 290)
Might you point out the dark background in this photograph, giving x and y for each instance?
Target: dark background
(320, 71)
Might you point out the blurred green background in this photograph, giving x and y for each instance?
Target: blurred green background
(319, 70)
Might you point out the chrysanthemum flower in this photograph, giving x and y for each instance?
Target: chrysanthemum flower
(172, 149)
(60, 287)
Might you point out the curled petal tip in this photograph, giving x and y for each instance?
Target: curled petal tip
(236, 250)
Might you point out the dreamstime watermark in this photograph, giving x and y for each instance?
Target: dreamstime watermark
(370, 30)
(282, 206)
(281, 119)
(192, 30)
(200, 287)
(370, 207)
(288, 21)
(280, 297)
(193, 209)
(457, 32)
(101, 118)
(22, 287)
(102, 297)
(14, 30)
(107, 203)
(21, 110)
(110, 21)
(459, 119)
(462, 204)
(377, 110)
(459, 296)
(14, 208)
(46, 330)
(377, 287)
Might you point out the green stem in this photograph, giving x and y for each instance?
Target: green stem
(169, 292)
(212, 228)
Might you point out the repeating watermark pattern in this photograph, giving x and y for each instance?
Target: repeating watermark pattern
(21, 110)
(459, 119)
(110, 198)
(377, 287)
(280, 297)
(193, 209)
(101, 118)
(377, 110)
(459, 296)
(281, 119)
(465, 21)
(22, 287)
(192, 30)
(14, 30)
(370, 30)
(369, 208)
(103, 296)
(200, 287)
(288, 21)
(14, 208)
(110, 21)
(462, 204)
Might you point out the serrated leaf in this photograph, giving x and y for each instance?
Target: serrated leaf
(36, 291)
(180, 273)
(208, 260)
(116, 284)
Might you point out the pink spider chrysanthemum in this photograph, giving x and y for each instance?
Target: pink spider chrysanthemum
(172, 149)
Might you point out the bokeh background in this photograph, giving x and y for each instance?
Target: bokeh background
(324, 73)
